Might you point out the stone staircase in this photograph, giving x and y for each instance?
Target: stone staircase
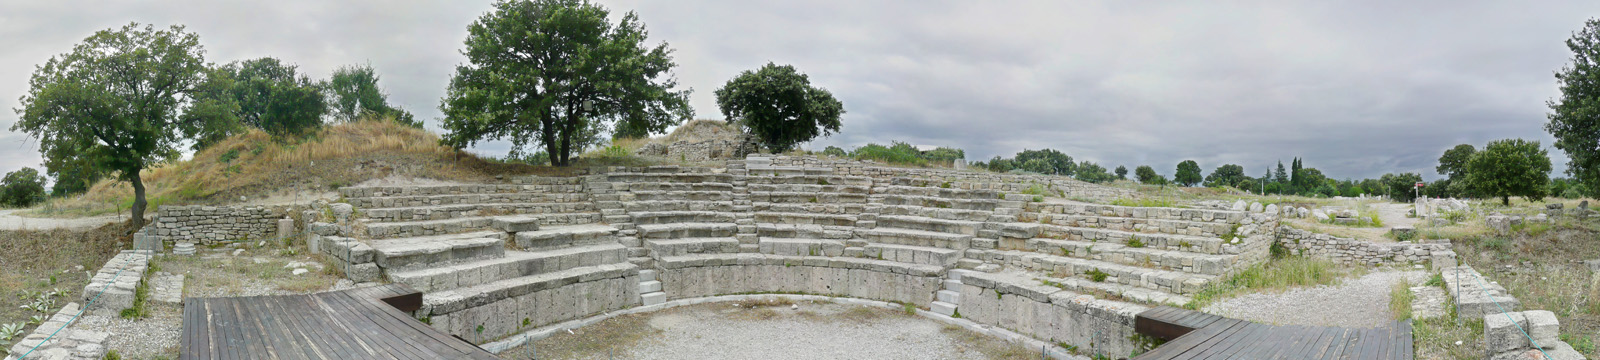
(484, 254)
(666, 211)
(1153, 255)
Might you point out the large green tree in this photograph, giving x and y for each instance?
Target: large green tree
(1188, 173)
(557, 73)
(1056, 162)
(262, 93)
(779, 106)
(1145, 174)
(1454, 161)
(1510, 167)
(1122, 172)
(22, 188)
(1226, 175)
(1091, 172)
(353, 94)
(1575, 117)
(114, 101)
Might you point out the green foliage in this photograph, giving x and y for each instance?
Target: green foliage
(112, 355)
(1135, 243)
(1146, 174)
(1091, 172)
(1575, 116)
(1122, 172)
(896, 153)
(1051, 162)
(834, 151)
(608, 78)
(1454, 161)
(22, 188)
(779, 106)
(1096, 275)
(1511, 167)
(1188, 173)
(1401, 187)
(112, 103)
(1292, 271)
(273, 97)
(1226, 175)
(1143, 202)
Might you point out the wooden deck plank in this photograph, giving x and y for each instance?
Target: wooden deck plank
(1222, 335)
(384, 343)
(1177, 346)
(440, 338)
(235, 339)
(320, 326)
(1324, 349)
(1407, 341)
(1284, 338)
(1228, 349)
(286, 322)
(384, 326)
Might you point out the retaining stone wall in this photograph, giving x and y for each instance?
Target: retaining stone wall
(115, 282)
(538, 302)
(1051, 314)
(214, 224)
(1352, 251)
(698, 151)
(756, 273)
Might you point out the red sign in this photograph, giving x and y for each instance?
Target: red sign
(1421, 184)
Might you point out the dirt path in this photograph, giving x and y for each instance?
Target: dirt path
(1357, 302)
(10, 221)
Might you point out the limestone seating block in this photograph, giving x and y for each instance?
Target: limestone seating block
(913, 254)
(1502, 332)
(1203, 215)
(551, 237)
(450, 301)
(347, 250)
(426, 227)
(805, 218)
(1195, 244)
(712, 260)
(409, 253)
(943, 308)
(1058, 266)
(813, 208)
(683, 246)
(383, 202)
(895, 236)
(808, 197)
(836, 180)
(936, 202)
(687, 230)
(934, 191)
(810, 188)
(679, 196)
(673, 186)
(1176, 227)
(931, 212)
(674, 205)
(801, 247)
(670, 217)
(633, 177)
(515, 224)
(804, 231)
(514, 264)
(1146, 257)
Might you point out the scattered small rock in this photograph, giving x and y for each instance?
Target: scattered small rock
(237, 252)
(300, 271)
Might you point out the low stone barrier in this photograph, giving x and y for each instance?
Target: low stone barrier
(66, 344)
(214, 224)
(536, 301)
(1352, 251)
(1474, 295)
(1507, 335)
(723, 274)
(116, 281)
(1026, 306)
(356, 258)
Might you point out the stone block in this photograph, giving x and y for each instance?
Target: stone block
(363, 272)
(1502, 332)
(1543, 327)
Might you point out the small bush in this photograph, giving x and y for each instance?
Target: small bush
(1097, 275)
(1135, 243)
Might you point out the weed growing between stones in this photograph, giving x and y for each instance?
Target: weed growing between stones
(1097, 275)
(1278, 274)
(1135, 243)
(1400, 299)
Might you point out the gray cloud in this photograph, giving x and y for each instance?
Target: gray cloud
(1357, 89)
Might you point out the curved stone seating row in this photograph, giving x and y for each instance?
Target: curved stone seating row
(807, 197)
(1204, 215)
(425, 190)
(837, 180)
(510, 265)
(1176, 227)
(675, 205)
(383, 230)
(461, 199)
(814, 208)
(1173, 282)
(1137, 256)
(937, 213)
(674, 186)
(937, 202)
(441, 212)
(934, 191)
(505, 307)
(707, 275)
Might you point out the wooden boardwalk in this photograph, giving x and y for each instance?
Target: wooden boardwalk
(365, 323)
(1196, 335)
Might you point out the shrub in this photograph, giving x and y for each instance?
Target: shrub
(1097, 275)
(22, 188)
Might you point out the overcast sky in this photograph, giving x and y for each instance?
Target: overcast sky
(1357, 89)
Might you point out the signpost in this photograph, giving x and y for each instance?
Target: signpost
(1419, 188)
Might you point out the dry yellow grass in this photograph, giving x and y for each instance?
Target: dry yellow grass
(254, 165)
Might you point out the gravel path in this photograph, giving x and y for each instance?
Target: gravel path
(1362, 302)
(813, 331)
(151, 337)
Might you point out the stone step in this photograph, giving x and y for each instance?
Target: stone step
(553, 237)
(674, 205)
(1174, 282)
(1146, 257)
(647, 275)
(938, 213)
(952, 285)
(440, 212)
(1175, 227)
(460, 189)
(672, 217)
(915, 238)
(634, 177)
(936, 202)
(383, 202)
(646, 287)
(452, 300)
(678, 196)
(949, 296)
(801, 247)
(384, 230)
(514, 264)
(674, 186)
(770, 217)
(816, 208)
(654, 298)
(1194, 244)
(913, 254)
(803, 231)
(1076, 208)
(687, 230)
(683, 246)
(1119, 292)
(963, 227)
(808, 197)
(838, 180)
(934, 191)
(943, 308)
(438, 249)
(757, 189)
(697, 260)
(768, 170)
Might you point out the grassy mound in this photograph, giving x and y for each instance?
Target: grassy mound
(255, 167)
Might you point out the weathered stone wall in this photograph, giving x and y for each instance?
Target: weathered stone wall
(1352, 251)
(66, 343)
(214, 224)
(717, 149)
(1096, 326)
(536, 301)
(961, 179)
(114, 284)
(757, 273)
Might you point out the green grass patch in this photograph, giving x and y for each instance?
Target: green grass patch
(1143, 202)
(1400, 299)
(1278, 274)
